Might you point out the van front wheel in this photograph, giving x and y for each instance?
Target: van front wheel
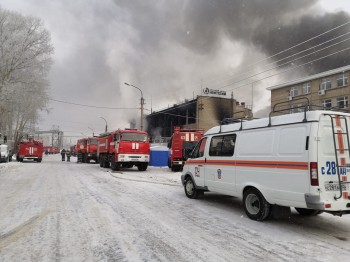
(190, 189)
(255, 205)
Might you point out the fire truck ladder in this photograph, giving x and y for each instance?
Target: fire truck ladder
(340, 148)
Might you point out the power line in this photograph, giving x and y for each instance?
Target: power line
(290, 48)
(298, 53)
(104, 107)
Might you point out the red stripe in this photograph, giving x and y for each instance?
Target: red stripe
(259, 164)
(337, 121)
(345, 195)
(343, 161)
(340, 141)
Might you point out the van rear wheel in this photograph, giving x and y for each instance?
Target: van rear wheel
(308, 212)
(190, 189)
(255, 205)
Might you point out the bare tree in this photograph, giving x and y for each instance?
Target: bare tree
(25, 60)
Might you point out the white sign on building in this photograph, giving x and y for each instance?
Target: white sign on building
(213, 92)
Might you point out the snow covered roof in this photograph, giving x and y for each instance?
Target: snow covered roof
(309, 78)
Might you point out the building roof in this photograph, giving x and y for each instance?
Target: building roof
(309, 78)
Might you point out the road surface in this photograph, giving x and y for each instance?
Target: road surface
(60, 211)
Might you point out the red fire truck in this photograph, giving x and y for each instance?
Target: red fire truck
(181, 144)
(124, 148)
(30, 149)
(87, 149)
(51, 150)
(81, 150)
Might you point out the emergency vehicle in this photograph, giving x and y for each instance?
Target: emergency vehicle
(124, 148)
(181, 144)
(86, 149)
(299, 160)
(91, 149)
(82, 150)
(30, 149)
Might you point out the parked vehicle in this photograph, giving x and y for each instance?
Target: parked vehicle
(30, 149)
(91, 149)
(181, 144)
(81, 150)
(87, 149)
(51, 150)
(4, 153)
(73, 149)
(299, 160)
(124, 148)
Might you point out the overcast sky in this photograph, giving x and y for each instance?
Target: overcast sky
(169, 49)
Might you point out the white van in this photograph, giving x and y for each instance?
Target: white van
(299, 160)
(4, 153)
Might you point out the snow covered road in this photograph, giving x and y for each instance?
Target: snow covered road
(59, 211)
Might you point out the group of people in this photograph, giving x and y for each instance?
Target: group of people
(64, 153)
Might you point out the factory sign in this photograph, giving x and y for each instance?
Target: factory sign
(208, 91)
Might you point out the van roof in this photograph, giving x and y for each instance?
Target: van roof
(275, 120)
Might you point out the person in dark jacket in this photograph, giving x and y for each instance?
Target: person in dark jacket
(68, 155)
(63, 154)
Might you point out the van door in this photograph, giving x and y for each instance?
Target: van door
(328, 154)
(220, 166)
(196, 163)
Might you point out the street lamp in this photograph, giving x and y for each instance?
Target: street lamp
(105, 121)
(142, 103)
(93, 133)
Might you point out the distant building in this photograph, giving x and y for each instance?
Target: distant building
(326, 90)
(50, 138)
(202, 112)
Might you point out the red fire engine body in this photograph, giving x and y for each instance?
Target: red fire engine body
(51, 150)
(181, 144)
(30, 149)
(124, 148)
(87, 149)
(81, 150)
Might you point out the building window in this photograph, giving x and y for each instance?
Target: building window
(306, 88)
(327, 103)
(342, 80)
(326, 84)
(293, 91)
(343, 102)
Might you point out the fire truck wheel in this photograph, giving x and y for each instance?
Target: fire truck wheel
(308, 212)
(142, 166)
(38, 160)
(169, 163)
(190, 189)
(105, 163)
(176, 168)
(114, 165)
(255, 205)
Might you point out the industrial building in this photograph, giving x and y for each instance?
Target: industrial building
(202, 112)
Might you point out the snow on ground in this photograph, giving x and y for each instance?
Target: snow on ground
(63, 211)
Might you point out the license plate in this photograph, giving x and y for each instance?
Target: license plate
(335, 187)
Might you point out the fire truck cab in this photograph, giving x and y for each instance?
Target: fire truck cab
(30, 149)
(181, 145)
(124, 148)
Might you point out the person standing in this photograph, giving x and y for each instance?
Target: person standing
(68, 155)
(63, 154)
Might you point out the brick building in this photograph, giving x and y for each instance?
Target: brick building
(326, 90)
